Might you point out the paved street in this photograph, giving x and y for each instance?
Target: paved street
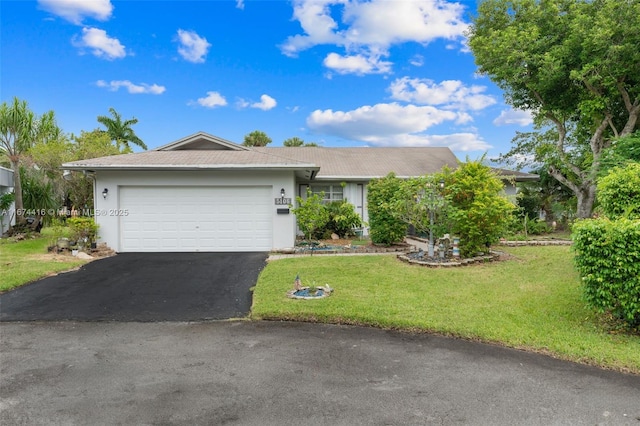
(273, 373)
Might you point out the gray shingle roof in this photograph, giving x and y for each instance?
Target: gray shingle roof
(340, 163)
(203, 151)
(217, 159)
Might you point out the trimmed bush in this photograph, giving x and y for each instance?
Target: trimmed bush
(608, 260)
(343, 219)
(384, 227)
(619, 192)
(477, 206)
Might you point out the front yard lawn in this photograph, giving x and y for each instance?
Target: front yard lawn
(26, 261)
(532, 301)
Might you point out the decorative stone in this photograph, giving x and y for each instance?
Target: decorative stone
(419, 259)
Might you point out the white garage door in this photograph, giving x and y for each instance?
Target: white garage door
(178, 218)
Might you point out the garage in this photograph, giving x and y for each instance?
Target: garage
(195, 218)
(198, 194)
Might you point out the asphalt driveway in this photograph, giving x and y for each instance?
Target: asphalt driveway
(142, 287)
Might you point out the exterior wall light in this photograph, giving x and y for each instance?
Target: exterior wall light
(105, 192)
(282, 193)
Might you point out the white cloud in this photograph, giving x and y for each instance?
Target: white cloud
(381, 120)
(514, 116)
(193, 48)
(242, 103)
(100, 44)
(132, 88)
(266, 103)
(369, 28)
(356, 64)
(317, 23)
(240, 4)
(464, 142)
(76, 10)
(417, 61)
(450, 94)
(383, 22)
(395, 125)
(212, 100)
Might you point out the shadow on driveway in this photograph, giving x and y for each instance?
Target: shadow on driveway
(142, 287)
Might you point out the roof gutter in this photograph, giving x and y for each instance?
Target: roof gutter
(160, 167)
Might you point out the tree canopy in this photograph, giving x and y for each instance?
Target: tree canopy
(296, 142)
(77, 187)
(121, 132)
(575, 65)
(20, 129)
(256, 138)
(621, 152)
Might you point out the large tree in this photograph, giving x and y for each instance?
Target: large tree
(121, 132)
(575, 64)
(76, 187)
(20, 129)
(256, 138)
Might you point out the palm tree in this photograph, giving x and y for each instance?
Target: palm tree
(294, 141)
(120, 131)
(256, 138)
(20, 129)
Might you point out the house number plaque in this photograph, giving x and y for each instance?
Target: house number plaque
(283, 201)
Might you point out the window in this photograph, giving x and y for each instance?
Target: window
(331, 192)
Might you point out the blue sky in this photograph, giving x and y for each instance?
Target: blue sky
(334, 72)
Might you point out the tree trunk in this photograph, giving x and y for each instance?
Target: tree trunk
(586, 198)
(17, 190)
(585, 192)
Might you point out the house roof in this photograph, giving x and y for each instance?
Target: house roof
(367, 163)
(202, 141)
(202, 151)
(191, 160)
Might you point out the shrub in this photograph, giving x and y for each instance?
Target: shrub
(417, 201)
(521, 224)
(384, 227)
(37, 195)
(342, 218)
(311, 214)
(608, 260)
(83, 229)
(478, 209)
(619, 192)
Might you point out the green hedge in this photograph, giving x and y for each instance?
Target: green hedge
(384, 227)
(608, 260)
(619, 192)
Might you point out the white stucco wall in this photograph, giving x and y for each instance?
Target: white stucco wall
(8, 217)
(284, 225)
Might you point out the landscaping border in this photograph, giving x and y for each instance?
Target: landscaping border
(491, 257)
(536, 243)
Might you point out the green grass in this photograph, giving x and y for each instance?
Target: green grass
(25, 261)
(531, 302)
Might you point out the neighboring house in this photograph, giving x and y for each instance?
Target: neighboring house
(8, 217)
(203, 193)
